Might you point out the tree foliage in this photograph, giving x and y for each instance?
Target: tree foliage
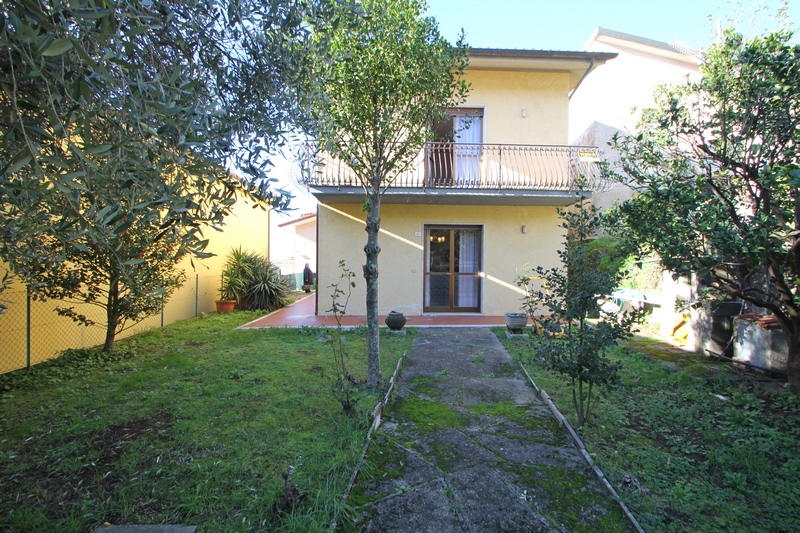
(715, 164)
(118, 122)
(569, 344)
(388, 79)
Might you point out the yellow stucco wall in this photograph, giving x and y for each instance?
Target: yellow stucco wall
(50, 333)
(505, 94)
(505, 251)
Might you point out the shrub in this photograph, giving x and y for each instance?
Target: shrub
(253, 281)
(266, 290)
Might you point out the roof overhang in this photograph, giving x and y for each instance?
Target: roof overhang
(577, 64)
(403, 195)
(642, 45)
(304, 219)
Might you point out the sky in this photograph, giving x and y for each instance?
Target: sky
(567, 25)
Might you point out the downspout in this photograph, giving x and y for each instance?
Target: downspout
(588, 70)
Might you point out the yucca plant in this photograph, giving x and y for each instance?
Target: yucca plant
(267, 290)
(237, 274)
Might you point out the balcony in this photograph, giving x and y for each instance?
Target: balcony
(457, 170)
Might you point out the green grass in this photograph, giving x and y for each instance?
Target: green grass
(682, 458)
(193, 425)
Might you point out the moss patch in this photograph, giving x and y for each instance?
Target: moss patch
(565, 497)
(384, 460)
(422, 385)
(429, 415)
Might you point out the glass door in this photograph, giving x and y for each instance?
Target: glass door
(454, 158)
(468, 149)
(452, 269)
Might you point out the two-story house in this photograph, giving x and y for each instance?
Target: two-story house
(480, 201)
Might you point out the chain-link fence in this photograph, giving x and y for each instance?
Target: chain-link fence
(295, 280)
(31, 331)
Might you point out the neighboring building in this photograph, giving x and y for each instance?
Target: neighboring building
(479, 204)
(611, 99)
(300, 240)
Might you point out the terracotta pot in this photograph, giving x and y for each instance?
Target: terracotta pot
(225, 306)
(395, 321)
(516, 322)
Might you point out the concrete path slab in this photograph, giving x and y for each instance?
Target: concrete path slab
(466, 445)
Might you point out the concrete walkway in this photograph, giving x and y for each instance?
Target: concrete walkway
(467, 446)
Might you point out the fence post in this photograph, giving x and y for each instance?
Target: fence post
(196, 295)
(28, 327)
(163, 303)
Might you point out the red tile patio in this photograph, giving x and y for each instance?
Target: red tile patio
(301, 313)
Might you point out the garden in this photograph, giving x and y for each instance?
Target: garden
(194, 424)
(688, 443)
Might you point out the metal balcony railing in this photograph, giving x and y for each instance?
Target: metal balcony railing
(477, 166)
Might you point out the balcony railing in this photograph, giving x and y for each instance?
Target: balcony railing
(477, 166)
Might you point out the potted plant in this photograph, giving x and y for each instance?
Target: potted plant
(227, 291)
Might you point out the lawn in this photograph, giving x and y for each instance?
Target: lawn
(192, 424)
(689, 444)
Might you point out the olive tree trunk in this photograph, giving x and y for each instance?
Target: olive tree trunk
(112, 315)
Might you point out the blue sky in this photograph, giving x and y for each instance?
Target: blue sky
(567, 25)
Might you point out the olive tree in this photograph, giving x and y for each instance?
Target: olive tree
(388, 78)
(119, 120)
(715, 166)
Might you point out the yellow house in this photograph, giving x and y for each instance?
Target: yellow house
(479, 203)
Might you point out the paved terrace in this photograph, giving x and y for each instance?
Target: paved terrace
(301, 313)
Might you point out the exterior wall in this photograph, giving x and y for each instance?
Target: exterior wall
(612, 192)
(615, 93)
(610, 101)
(543, 96)
(51, 333)
(506, 250)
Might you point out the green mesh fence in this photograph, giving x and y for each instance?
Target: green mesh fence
(31, 331)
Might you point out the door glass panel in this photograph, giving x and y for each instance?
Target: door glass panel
(437, 290)
(468, 150)
(466, 251)
(466, 291)
(439, 251)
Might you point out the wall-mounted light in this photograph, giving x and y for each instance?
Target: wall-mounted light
(524, 229)
(523, 113)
